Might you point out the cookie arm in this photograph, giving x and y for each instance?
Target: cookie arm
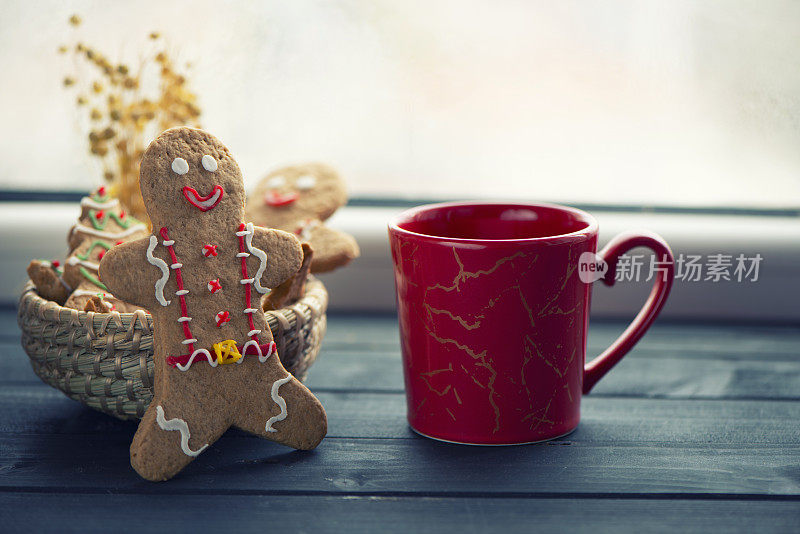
(126, 273)
(284, 255)
(332, 249)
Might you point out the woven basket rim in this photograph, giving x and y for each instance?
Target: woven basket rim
(313, 303)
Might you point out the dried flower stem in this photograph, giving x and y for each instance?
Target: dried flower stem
(123, 119)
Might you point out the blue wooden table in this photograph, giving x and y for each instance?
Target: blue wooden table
(697, 430)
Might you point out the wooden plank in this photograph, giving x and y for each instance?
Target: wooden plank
(355, 514)
(636, 375)
(14, 364)
(409, 467)
(8, 325)
(42, 410)
(622, 446)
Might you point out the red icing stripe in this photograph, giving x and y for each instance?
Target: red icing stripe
(247, 287)
(187, 333)
(266, 348)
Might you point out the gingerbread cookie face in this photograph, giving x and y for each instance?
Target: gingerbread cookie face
(299, 199)
(184, 175)
(201, 273)
(313, 190)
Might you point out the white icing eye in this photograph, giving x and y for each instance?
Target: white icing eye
(276, 182)
(306, 182)
(180, 166)
(209, 163)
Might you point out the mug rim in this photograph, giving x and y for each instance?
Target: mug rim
(405, 215)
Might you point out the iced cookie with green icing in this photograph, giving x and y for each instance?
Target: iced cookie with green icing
(299, 199)
(102, 225)
(200, 273)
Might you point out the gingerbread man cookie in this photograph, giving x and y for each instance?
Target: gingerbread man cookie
(298, 199)
(199, 273)
(102, 225)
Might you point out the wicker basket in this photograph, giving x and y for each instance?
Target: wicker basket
(105, 360)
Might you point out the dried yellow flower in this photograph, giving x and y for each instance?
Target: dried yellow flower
(75, 20)
(99, 150)
(62, 49)
(131, 117)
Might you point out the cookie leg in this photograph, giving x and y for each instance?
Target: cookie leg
(286, 412)
(171, 434)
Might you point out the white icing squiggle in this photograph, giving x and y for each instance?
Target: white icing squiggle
(91, 293)
(110, 235)
(307, 227)
(88, 202)
(72, 260)
(280, 402)
(66, 285)
(211, 360)
(161, 264)
(181, 426)
(262, 258)
(261, 357)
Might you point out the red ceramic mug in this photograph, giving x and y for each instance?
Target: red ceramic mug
(494, 314)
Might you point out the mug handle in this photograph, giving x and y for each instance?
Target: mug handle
(597, 368)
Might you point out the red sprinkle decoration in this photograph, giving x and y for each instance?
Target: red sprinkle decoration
(222, 318)
(101, 190)
(214, 286)
(122, 214)
(100, 214)
(118, 243)
(55, 263)
(209, 250)
(101, 254)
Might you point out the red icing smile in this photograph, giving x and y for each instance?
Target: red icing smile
(203, 203)
(273, 198)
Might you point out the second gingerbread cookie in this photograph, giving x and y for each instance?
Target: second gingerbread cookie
(200, 273)
(299, 199)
